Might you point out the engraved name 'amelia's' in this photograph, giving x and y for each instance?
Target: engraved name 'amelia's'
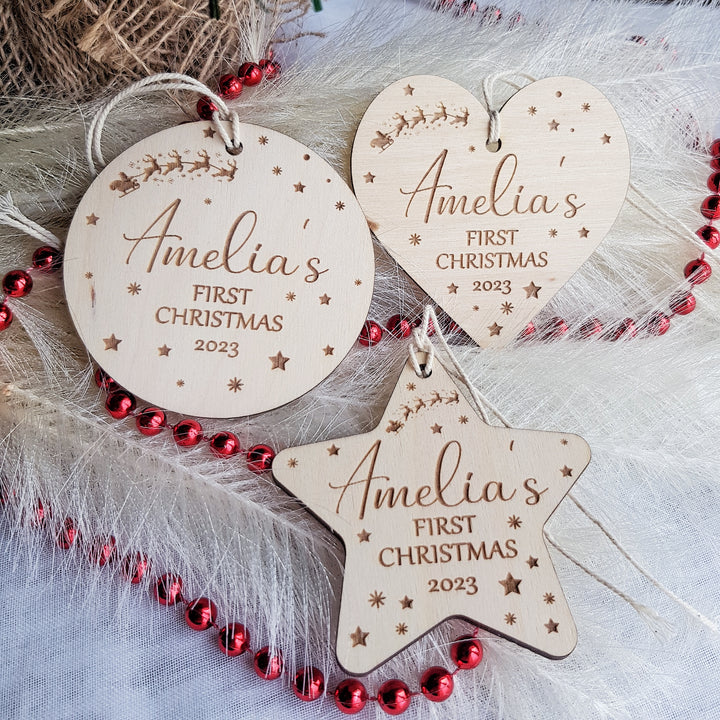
(497, 201)
(232, 257)
(446, 490)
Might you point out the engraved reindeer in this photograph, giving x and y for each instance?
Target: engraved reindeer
(150, 169)
(381, 140)
(419, 118)
(452, 398)
(419, 403)
(435, 398)
(228, 172)
(441, 113)
(407, 412)
(401, 124)
(203, 163)
(175, 164)
(461, 119)
(125, 184)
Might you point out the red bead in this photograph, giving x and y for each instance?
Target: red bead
(120, 404)
(308, 684)
(399, 327)
(201, 614)
(102, 551)
(437, 684)
(229, 86)
(234, 639)
(710, 235)
(268, 666)
(206, 107)
(46, 258)
(17, 283)
(715, 163)
(371, 334)
(350, 696)
(554, 328)
(516, 19)
(168, 589)
(135, 566)
(67, 536)
(260, 458)
(713, 182)
(710, 209)
(394, 697)
(271, 68)
(623, 330)
(250, 73)
(187, 433)
(430, 327)
(697, 271)
(6, 316)
(491, 15)
(715, 147)
(41, 513)
(529, 331)
(658, 323)
(150, 421)
(104, 381)
(466, 652)
(590, 328)
(683, 304)
(225, 444)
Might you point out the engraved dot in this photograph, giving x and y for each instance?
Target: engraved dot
(306, 157)
(558, 94)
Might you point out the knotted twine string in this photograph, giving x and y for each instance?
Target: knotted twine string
(421, 342)
(160, 82)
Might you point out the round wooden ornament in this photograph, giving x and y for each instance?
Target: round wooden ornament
(491, 231)
(216, 284)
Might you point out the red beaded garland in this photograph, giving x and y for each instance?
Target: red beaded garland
(225, 444)
(713, 182)
(150, 421)
(102, 551)
(187, 433)
(350, 696)
(437, 684)
(230, 86)
(710, 235)
(120, 404)
(46, 258)
(201, 614)
(260, 458)
(624, 329)
(529, 331)
(67, 536)
(394, 697)
(234, 639)
(17, 283)
(206, 107)
(6, 316)
(308, 684)
(371, 334)
(250, 73)
(658, 324)
(683, 304)
(710, 207)
(466, 652)
(697, 271)
(399, 327)
(590, 328)
(104, 381)
(271, 68)
(135, 566)
(168, 589)
(267, 665)
(554, 328)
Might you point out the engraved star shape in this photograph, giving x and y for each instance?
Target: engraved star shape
(333, 449)
(452, 288)
(408, 89)
(208, 132)
(325, 299)
(532, 562)
(494, 329)
(91, 219)
(532, 290)
(299, 187)
(164, 351)
(111, 343)
(606, 139)
(376, 599)
(584, 232)
(278, 361)
(553, 125)
(328, 350)
(351, 494)
(552, 627)
(406, 603)
(436, 429)
(369, 177)
(566, 471)
(359, 637)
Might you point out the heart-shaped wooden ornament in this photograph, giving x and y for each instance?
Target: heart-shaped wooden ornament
(491, 234)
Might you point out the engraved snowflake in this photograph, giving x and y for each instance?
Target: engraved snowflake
(549, 598)
(290, 296)
(585, 107)
(339, 205)
(415, 239)
(507, 307)
(263, 140)
(463, 419)
(134, 289)
(235, 385)
(514, 522)
(292, 463)
(277, 170)
(532, 110)
(510, 618)
(552, 232)
(376, 599)
(88, 275)
(208, 201)
(358, 282)
(410, 386)
(180, 383)
(401, 628)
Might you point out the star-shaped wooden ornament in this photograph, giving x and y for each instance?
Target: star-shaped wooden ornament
(439, 513)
